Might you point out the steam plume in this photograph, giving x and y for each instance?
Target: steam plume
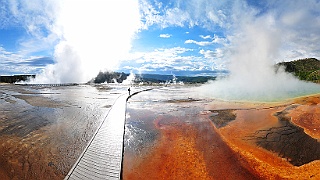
(93, 36)
(255, 47)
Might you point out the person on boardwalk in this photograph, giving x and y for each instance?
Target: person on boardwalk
(129, 91)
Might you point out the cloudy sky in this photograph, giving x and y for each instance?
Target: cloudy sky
(55, 38)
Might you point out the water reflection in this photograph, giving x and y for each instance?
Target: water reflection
(44, 129)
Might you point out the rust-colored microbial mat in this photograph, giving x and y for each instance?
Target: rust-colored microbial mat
(277, 141)
(176, 138)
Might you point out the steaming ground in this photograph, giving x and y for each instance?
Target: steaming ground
(276, 87)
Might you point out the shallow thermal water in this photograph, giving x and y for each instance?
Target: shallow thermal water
(44, 129)
(273, 91)
(169, 136)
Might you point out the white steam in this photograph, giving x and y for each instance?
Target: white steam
(256, 46)
(94, 34)
(130, 79)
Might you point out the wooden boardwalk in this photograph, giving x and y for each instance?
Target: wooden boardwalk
(102, 157)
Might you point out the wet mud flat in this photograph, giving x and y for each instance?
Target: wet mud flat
(44, 129)
(170, 134)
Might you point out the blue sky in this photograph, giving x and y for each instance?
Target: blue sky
(193, 37)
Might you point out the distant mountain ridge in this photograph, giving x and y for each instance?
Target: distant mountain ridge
(307, 69)
(15, 78)
(112, 77)
(158, 78)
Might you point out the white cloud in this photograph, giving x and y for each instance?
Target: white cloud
(214, 40)
(171, 19)
(220, 18)
(170, 56)
(295, 25)
(298, 22)
(209, 54)
(37, 18)
(149, 14)
(176, 58)
(206, 37)
(184, 14)
(165, 35)
(9, 57)
(217, 58)
(14, 63)
(200, 43)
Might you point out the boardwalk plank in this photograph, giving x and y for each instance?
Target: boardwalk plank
(102, 157)
(108, 164)
(103, 170)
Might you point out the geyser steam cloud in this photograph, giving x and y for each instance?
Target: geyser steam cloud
(93, 34)
(256, 45)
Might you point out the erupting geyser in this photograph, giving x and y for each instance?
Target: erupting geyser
(90, 38)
